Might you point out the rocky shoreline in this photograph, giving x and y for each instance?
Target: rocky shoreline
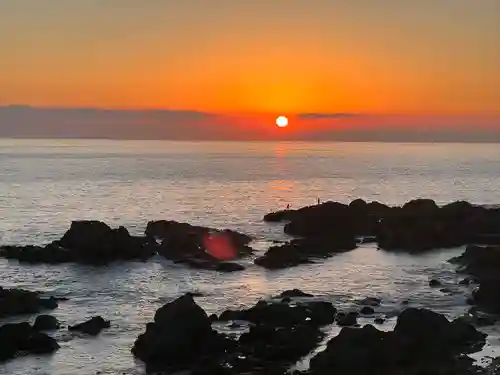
(280, 331)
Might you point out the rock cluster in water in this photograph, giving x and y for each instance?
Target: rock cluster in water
(280, 334)
(419, 225)
(95, 243)
(20, 301)
(483, 264)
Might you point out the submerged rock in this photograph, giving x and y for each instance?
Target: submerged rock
(46, 323)
(20, 301)
(303, 251)
(21, 337)
(91, 327)
(293, 293)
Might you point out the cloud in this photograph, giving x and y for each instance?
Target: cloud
(321, 116)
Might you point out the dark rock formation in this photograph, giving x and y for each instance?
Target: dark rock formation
(46, 323)
(433, 283)
(189, 244)
(294, 293)
(91, 327)
(419, 225)
(181, 336)
(21, 337)
(367, 310)
(88, 242)
(423, 342)
(370, 301)
(20, 301)
(303, 251)
(347, 319)
(483, 263)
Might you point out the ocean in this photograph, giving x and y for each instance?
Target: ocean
(46, 184)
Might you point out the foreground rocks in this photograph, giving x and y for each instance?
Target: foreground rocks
(23, 338)
(181, 337)
(419, 225)
(95, 243)
(20, 301)
(483, 263)
(280, 334)
(423, 342)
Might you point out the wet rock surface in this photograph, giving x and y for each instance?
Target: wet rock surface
(91, 327)
(417, 226)
(46, 323)
(279, 335)
(304, 251)
(483, 264)
(95, 243)
(20, 301)
(423, 342)
(18, 338)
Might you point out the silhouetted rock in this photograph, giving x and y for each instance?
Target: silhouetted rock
(191, 245)
(180, 337)
(367, 310)
(379, 320)
(46, 323)
(433, 283)
(370, 301)
(21, 337)
(419, 225)
(294, 293)
(347, 319)
(20, 301)
(303, 251)
(422, 342)
(89, 242)
(483, 263)
(91, 327)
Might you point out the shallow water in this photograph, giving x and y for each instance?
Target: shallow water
(46, 184)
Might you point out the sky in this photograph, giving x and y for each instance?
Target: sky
(369, 67)
(284, 56)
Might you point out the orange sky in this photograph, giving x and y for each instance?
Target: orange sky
(277, 56)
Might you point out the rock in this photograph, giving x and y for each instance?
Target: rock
(180, 336)
(294, 293)
(419, 225)
(483, 264)
(433, 283)
(46, 323)
(379, 321)
(421, 343)
(347, 319)
(88, 242)
(91, 327)
(281, 314)
(20, 301)
(21, 337)
(303, 251)
(367, 310)
(370, 301)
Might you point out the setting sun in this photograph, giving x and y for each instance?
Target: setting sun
(282, 121)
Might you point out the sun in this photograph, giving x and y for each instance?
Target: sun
(282, 121)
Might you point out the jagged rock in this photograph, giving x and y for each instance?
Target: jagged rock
(347, 319)
(46, 323)
(89, 242)
(20, 301)
(303, 251)
(91, 327)
(294, 293)
(180, 337)
(367, 310)
(21, 337)
(423, 342)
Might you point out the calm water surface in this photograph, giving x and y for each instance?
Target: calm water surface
(46, 183)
